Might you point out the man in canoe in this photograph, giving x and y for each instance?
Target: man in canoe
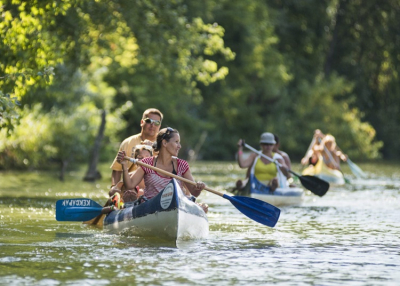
(286, 158)
(282, 153)
(167, 145)
(150, 123)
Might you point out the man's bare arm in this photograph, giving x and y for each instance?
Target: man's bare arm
(115, 177)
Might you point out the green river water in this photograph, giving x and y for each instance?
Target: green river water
(351, 236)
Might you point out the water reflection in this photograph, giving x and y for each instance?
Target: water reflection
(69, 235)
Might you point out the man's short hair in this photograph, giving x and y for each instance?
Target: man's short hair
(152, 111)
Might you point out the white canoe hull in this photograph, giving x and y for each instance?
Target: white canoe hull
(334, 179)
(169, 215)
(283, 197)
(280, 197)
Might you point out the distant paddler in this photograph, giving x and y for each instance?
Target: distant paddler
(264, 170)
(324, 147)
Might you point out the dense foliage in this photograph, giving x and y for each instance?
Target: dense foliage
(219, 70)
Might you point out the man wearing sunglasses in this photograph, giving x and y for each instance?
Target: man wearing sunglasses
(150, 123)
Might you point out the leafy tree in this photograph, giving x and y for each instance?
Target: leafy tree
(241, 104)
(315, 97)
(364, 45)
(27, 147)
(227, 69)
(175, 57)
(147, 45)
(27, 51)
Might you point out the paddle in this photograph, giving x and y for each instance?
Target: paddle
(355, 169)
(314, 184)
(77, 209)
(98, 221)
(331, 159)
(333, 162)
(254, 209)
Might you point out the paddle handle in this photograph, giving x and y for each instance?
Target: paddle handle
(161, 171)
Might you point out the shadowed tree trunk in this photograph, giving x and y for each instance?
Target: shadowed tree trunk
(92, 173)
(64, 164)
(340, 14)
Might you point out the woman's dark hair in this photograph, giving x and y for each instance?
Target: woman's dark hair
(165, 133)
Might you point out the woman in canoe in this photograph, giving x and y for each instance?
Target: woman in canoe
(264, 170)
(167, 145)
(324, 147)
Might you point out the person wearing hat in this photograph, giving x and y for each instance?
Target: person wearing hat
(264, 170)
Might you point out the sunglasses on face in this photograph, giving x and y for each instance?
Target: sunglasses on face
(152, 121)
(169, 131)
(267, 144)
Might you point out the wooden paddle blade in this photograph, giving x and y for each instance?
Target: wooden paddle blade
(98, 221)
(77, 209)
(257, 210)
(315, 185)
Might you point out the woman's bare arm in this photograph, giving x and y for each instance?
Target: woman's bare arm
(195, 190)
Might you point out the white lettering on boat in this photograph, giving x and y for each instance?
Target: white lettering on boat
(76, 203)
(166, 197)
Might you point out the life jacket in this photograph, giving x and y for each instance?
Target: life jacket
(117, 201)
(282, 180)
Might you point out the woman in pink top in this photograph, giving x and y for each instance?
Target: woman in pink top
(168, 145)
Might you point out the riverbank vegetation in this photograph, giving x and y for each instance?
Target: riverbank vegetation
(74, 74)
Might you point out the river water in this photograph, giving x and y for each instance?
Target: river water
(348, 237)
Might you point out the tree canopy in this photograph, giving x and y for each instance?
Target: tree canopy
(219, 70)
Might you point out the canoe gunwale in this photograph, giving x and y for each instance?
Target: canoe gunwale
(280, 197)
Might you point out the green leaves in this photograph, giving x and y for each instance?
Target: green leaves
(8, 113)
(229, 68)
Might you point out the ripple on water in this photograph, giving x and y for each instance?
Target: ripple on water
(349, 236)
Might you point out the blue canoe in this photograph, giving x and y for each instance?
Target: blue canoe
(170, 215)
(280, 197)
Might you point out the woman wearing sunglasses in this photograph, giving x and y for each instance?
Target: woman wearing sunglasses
(167, 145)
(265, 171)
